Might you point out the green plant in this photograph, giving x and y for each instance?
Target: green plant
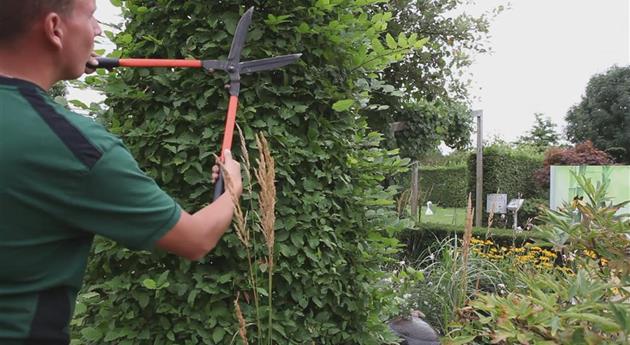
(453, 275)
(335, 223)
(448, 185)
(515, 261)
(531, 211)
(508, 170)
(425, 237)
(402, 281)
(434, 89)
(600, 115)
(265, 177)
(586, 304)
(426, 124)
(542, 135)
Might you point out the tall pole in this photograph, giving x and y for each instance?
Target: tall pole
(479, 174)
(414, 191)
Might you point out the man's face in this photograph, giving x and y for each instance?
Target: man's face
(78, 41)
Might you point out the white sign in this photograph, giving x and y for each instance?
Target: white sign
(496, 203)
(515, 204)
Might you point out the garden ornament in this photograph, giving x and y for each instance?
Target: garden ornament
(233, 66)
(429, 212)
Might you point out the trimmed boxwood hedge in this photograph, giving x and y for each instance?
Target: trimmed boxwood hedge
(448, 185)
(507, 171)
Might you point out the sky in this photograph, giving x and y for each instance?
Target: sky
(544, 53)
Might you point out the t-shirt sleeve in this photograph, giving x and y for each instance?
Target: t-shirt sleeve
(122, 203)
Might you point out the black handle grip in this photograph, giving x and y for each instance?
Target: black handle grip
(218, 187)
(104, 62)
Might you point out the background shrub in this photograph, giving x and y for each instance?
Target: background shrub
(507, 171)
(445, 186)
(426, 235)
(581, 154)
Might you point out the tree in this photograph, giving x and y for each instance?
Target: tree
(335, 222)
(58, 90)
(582, 154)
(426, 124)
(602, 114)
(542, 135)
(437, 71)
(428, 88)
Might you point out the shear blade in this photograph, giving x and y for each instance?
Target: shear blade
(268, 63)
(239, 36)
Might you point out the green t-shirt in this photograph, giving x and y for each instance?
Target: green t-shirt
(63, 179)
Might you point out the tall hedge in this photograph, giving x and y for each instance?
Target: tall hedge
(445, 186)
(335, 224)
(507, 171)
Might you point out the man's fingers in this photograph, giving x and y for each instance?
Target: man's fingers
(91, 64)
(227, 154)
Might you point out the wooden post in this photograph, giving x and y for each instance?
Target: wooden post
(414, 190)
(479, 173)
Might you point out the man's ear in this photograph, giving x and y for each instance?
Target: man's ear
(53, 29)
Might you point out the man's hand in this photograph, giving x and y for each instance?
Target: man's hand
(233, 169)
(90, 66)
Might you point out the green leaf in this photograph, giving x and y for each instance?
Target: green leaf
(91, 334)
(143, 300)
(149, 284)
(402, 41)
(162, 278)
(603, 322)
(303, 28)
(125, 39)
(461, 340)
(262, 291)
(218, 334)
(230, 24)
(622, 317)
(420, 43)
(377, 46)
(343, 105)
(391, 42)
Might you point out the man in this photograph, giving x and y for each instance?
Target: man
(64, 178)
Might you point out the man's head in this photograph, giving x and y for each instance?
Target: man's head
(17, 17)
(63, 30)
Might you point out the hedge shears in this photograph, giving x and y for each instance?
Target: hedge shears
(233, 66)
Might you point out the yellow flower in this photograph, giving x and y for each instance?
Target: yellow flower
(591, 254)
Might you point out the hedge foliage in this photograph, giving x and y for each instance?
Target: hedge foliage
(508, 171)
(335, 223)
(445, 186)
(425, 235)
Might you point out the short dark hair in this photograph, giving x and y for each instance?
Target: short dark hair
(17, 15)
